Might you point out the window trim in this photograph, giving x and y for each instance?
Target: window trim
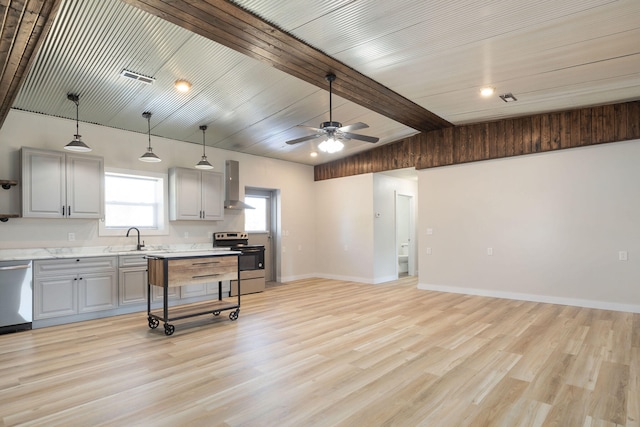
(163, 219)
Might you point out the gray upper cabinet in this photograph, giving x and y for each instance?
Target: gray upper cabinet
(195, 195)
(60, 185)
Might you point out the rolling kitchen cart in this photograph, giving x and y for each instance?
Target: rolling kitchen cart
(189, 268)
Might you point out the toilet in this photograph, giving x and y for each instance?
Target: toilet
(403, 258)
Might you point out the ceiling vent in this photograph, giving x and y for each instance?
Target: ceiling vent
(508, 97)
(135, 76)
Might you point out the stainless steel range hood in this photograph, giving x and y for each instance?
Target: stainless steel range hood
(232, 186)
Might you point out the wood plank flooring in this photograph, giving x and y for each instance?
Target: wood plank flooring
(330, 353)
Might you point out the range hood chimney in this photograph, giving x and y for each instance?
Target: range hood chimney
(232, 187)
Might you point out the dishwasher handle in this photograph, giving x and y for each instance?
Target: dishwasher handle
(15, 267)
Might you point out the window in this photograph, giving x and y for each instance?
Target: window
(255, 219)
(134, 200)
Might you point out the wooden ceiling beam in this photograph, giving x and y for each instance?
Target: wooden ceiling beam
(238, 29)
(25, 24)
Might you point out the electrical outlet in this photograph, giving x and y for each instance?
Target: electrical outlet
(623, 256)
(72, 237)
(428, 251)
(490, 251)
(429, 231)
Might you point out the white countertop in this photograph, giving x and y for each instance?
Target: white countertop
(193, 254)
(96, 251)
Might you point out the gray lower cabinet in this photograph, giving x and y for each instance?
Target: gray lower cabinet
(133, 286)
(66, 287)
(133, 282)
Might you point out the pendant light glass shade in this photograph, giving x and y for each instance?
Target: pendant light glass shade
(76, 145)
(203, 163)
(149, 156)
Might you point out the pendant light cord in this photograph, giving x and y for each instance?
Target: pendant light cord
(149, 127)
(203, 129)
(77, 102)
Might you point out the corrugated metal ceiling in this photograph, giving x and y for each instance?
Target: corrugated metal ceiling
(552, 55)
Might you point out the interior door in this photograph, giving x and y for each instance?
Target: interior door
(261, 225)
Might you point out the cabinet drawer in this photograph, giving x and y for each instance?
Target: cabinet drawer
(201, 270)
(74, 265)
(132, 260)
(190, 271)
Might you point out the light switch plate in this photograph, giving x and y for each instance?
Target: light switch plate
(623, 256)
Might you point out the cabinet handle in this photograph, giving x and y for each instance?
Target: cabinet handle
(69, 210)
(205, 275)
(63, 210)
(206, 263)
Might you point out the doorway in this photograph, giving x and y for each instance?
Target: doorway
(405, 247)
(262, 224)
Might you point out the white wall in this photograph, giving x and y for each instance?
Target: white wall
(121, 149)
(344, 228)
(355, 229)
(385, 189)
(555, 221)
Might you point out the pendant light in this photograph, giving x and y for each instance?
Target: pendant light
(76, 145)
(149, 156)
(203, 163)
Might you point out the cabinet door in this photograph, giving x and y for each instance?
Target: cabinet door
(184, 194)
(55, 297)
(85, 186)
(97, 292)
(213, 195)
(133, 286)
(43, 183)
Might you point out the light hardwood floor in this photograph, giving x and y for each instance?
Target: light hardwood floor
(330, 353)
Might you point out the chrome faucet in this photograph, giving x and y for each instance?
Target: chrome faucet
(138, 246)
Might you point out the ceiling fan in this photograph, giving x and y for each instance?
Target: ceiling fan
(334, 132)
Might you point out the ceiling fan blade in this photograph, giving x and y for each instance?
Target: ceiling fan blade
(354, 126)
(360, 137)
(304, 138)
(311, 128)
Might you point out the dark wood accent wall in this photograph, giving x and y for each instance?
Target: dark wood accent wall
(494, 140)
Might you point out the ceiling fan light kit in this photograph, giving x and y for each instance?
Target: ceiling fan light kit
(203, 163)
(330, 145)
(334, 132)
(149, 156)
(76, 144)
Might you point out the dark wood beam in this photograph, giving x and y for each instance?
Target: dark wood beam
(238, 29)
(493, 140)
(25, 24)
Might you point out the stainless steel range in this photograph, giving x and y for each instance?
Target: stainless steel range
(251, 260)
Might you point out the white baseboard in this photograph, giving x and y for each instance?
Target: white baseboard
(576, 302)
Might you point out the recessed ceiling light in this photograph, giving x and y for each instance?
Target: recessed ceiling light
(314, 154)
(183, 85)
(487, 91)
(508, 97)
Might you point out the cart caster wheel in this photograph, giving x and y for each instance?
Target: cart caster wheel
(234, 314)
(169, 329)
(216, 313)
(153, 322)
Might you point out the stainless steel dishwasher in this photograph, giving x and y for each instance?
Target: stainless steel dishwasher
(16, 300)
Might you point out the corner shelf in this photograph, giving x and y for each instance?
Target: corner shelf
(7, 184)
